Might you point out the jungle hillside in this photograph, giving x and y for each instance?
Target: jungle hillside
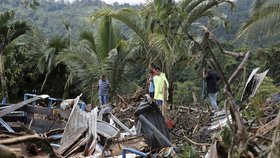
(61, 49)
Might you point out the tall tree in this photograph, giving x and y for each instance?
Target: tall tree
(10, 30)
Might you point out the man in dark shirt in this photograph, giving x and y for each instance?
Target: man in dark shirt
(212, 80)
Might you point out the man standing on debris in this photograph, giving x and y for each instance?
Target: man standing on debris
(103, 92)
(161, 89)
(212, 80)
(150, 83)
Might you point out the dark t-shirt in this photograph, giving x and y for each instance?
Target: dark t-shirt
(212, 79)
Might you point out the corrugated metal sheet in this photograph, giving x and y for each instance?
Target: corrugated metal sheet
(79, 119)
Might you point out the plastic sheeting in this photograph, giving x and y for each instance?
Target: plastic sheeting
(152, 113)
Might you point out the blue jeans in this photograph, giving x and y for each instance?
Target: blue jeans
(104, 99)
(213, 100)
(152, 94)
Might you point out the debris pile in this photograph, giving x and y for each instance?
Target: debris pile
(136, 128)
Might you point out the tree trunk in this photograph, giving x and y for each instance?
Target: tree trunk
(170, 94)
(4, 89)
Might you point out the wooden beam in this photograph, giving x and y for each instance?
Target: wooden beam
(74, 148)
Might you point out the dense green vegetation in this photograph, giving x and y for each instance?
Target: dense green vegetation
(61, 49)
(50, 16)
(68, 45)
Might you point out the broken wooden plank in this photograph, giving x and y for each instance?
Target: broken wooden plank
(87, 147)
(14, 107)
(76, 147)
(72, 140)
(266, 128)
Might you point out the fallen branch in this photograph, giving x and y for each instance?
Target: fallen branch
(239, 68)
(231, 53)
(235, 114)
(275, 145)
(126, 109)
(266, 128)
(215, 62)
(191, 141)
(195, 143)
(122, 100)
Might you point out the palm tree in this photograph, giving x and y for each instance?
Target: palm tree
(164, 26)
(49, 51)
(263, 21)
(10, 30)
(103, 53)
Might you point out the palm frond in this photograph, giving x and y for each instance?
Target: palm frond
(81, 57)
(127, 16)
(262, 22)
(197, 12)
(165, 50)
(87, 38)
(5, 17)
(258, 4)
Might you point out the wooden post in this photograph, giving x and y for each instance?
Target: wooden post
(164, 104)
(194, 97)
